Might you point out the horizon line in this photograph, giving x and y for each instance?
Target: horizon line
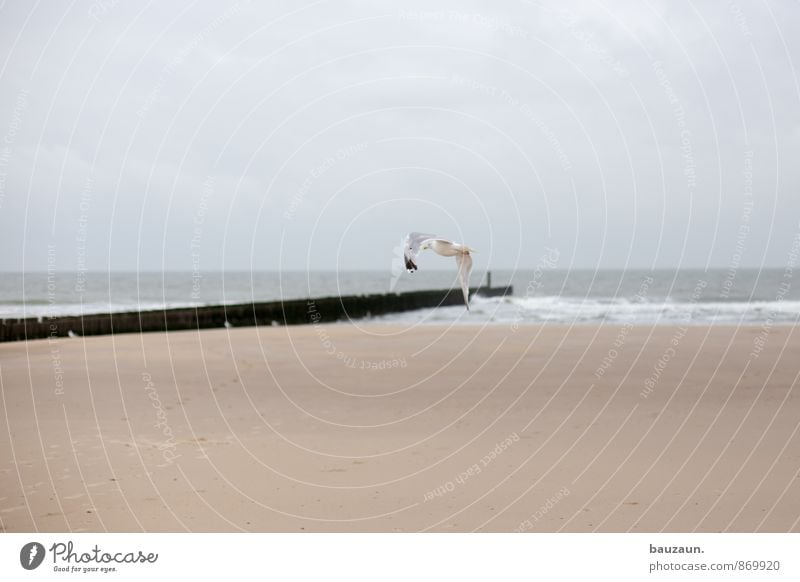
(368, 270)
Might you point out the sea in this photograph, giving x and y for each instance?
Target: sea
(669, 297)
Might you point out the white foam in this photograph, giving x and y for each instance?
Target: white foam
(523, 310)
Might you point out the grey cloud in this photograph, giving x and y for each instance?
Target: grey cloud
(617, 133)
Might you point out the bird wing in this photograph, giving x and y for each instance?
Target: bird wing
(413, 241)
(464, 261)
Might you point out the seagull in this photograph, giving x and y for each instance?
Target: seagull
(417, 241)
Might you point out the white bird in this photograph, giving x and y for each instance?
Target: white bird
(417, 241)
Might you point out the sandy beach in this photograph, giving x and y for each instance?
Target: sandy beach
(386, 428)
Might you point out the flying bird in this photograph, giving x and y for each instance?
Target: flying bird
(417, 241)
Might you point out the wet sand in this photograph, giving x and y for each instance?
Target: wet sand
(384, 428)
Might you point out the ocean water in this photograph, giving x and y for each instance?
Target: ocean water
(754, 297)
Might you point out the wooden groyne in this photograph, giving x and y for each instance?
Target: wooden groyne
(294, 312)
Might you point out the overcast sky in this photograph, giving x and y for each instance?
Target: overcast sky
(316, 134)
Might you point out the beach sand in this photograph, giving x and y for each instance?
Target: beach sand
(372, 427)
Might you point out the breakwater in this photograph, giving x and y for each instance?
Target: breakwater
(293, 312)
